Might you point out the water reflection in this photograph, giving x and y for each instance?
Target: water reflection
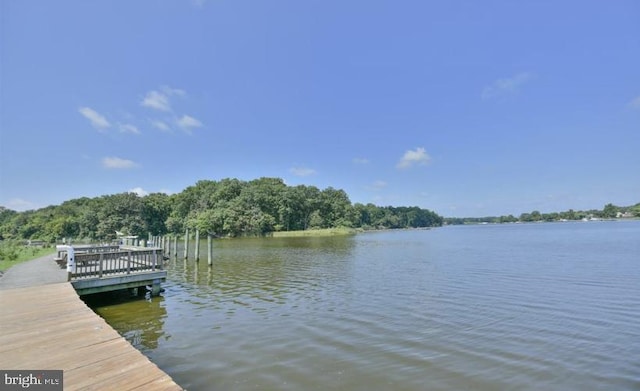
(272, 270)
(541, 306)
(140, 321)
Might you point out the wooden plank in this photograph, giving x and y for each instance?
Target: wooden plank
(49, 327)
(160, 384)
(103, 372)
(82, 355)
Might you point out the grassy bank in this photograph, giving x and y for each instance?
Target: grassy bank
(315, 232)
(11, 255)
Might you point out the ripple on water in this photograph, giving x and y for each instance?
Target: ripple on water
(551, 307)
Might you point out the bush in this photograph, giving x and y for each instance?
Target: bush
(9, 251)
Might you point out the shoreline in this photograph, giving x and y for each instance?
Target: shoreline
(338, 232)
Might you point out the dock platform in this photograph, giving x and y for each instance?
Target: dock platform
(97, 269)
(50, 327)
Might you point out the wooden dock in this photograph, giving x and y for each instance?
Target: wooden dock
(97, 269)
(49, 327)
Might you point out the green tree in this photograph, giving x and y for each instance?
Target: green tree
(335, 208)
(121, 212)
(610, 211)
(226, 207)
(156, 208)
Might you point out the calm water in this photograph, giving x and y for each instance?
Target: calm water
(517, 307)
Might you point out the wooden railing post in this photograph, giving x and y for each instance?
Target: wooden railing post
(129, 262)
(155, 259)
(101, 260)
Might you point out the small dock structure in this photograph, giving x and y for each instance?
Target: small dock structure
(104, 268)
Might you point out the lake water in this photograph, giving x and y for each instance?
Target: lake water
(509, 307)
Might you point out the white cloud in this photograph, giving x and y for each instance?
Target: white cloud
(157, 101)
(160, 125)
(302, 171)
(119, 163)
(97, 120)
(20, 205)
(187, 123)
(139, 191)
(410, 158)
(358, 160)
(128, 128)
(635, 104)
(506, 86)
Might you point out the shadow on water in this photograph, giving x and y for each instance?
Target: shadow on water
(140, 320)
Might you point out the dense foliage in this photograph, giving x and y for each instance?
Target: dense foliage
(229, 207)
(609, 211)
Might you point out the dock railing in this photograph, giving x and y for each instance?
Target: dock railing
(104, 261)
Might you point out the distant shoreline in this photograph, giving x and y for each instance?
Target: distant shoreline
(338, 232)
(314, 233)
(543, 221)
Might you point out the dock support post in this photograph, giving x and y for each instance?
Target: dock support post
(197, 251)
(155, 288)
(175, 245)
(186, 244)
(209, 251)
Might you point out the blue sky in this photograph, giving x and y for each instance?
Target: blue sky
(468, 108)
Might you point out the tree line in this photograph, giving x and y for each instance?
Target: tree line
(609, 211)
(228, 207)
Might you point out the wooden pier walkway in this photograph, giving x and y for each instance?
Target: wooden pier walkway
(49, 327)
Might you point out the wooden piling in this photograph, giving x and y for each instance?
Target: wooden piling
(209, 251)
(186, 244)
(197, 251)
(175, 246)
